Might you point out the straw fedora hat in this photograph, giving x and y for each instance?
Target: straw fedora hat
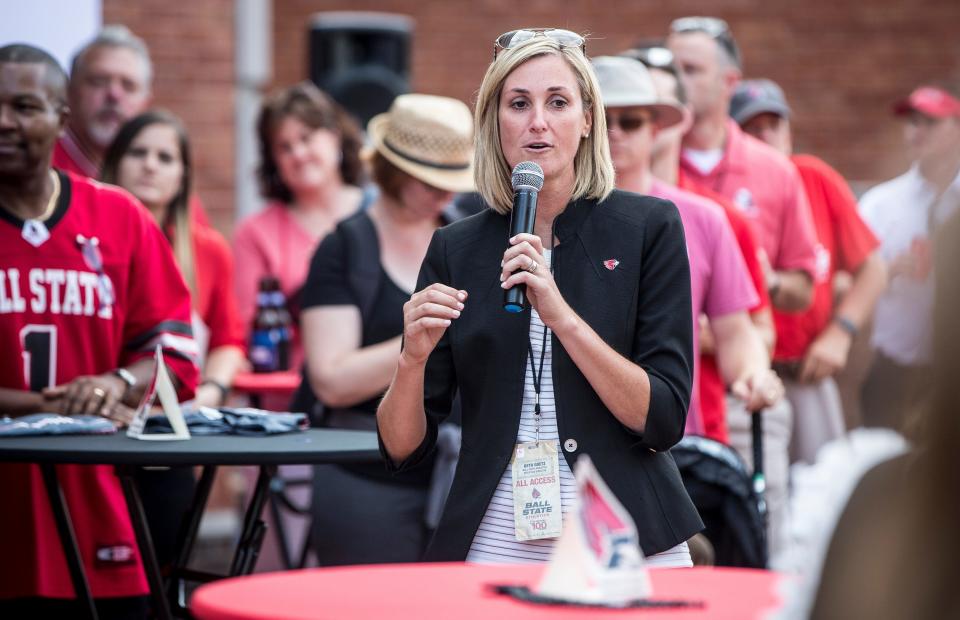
(428, 137)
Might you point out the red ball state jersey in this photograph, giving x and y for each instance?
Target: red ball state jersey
(92, 288)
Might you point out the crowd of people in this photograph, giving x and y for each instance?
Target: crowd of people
(686, 272)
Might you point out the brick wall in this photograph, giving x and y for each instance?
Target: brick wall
(191, 44)
(841, 63)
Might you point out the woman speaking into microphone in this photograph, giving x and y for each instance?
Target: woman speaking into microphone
(600, 362)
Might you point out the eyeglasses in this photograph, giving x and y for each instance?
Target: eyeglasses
(714, 27)
(563, 38)
(627, 124)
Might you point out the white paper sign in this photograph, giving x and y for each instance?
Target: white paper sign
(597, 558)
(159, 386)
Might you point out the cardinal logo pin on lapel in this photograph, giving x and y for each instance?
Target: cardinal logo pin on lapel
(611, 264)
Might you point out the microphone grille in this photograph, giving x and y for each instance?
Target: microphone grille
(528, 174)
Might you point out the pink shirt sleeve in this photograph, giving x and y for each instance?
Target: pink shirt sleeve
(250, 265)
(731, 288)
(797, 251)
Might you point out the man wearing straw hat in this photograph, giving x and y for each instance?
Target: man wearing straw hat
(721, 286)
(720, 283)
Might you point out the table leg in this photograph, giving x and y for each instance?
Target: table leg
(277, 517)
(187, 535)
(68, 539)
(161, 608)
(253, 526)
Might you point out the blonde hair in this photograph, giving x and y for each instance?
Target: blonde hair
(593, 166)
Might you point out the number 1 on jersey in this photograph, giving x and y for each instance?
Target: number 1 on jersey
(39, 345)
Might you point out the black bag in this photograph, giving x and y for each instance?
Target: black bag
(722, 489)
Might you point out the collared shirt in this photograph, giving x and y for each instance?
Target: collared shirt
(712, 391)
(767, 189)
(719, 280)
(901, 213)
(69, 155)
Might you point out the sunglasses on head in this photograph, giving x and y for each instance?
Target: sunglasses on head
(627, 124)
(657, 56)
(714, 27)
(563, 38)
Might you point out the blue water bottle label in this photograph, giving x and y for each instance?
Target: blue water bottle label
(263, 350)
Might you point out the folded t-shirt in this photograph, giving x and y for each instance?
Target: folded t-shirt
(232, 421)
(55, 424)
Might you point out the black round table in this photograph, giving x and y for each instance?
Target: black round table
(313, 446)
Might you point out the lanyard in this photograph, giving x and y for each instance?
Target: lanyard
(536, 379)
(534, 370)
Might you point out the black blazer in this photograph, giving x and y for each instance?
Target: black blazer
(641, 308)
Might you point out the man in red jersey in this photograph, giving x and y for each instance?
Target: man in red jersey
(813, 345)
(110, 83)
(88, 290)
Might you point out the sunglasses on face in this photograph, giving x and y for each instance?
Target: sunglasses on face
(563, 38)
(714, 27)
(627, 124)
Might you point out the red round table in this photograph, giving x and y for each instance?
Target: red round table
(284, 382)
(277, 385)
(418, 591)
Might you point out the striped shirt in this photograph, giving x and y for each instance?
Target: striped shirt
(495, 541)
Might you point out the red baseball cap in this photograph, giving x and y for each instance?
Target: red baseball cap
(930, 101)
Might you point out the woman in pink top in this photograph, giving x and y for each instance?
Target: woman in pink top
(311, 172)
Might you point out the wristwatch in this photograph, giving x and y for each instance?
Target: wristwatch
(846, 325)
(224, 390)
(127, 377)
(773, 286)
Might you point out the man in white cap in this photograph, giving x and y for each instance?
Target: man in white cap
(716, 264)
(815, 344)
(905, 213)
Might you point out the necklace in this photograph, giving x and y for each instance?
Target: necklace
(34, 230)
(54, 196)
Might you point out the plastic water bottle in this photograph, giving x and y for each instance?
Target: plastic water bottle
(271, 335)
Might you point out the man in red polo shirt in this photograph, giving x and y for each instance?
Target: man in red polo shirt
(109, 84)
(814, 344)
(721, 287)
(719, 413)
(760, 181)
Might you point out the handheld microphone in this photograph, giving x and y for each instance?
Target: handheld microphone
(527, 181)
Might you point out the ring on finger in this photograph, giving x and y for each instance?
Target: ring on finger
(99, 393)
(533, 266)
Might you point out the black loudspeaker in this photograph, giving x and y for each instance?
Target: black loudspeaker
(361, 59)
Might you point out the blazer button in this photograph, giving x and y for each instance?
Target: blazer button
(570, 445)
